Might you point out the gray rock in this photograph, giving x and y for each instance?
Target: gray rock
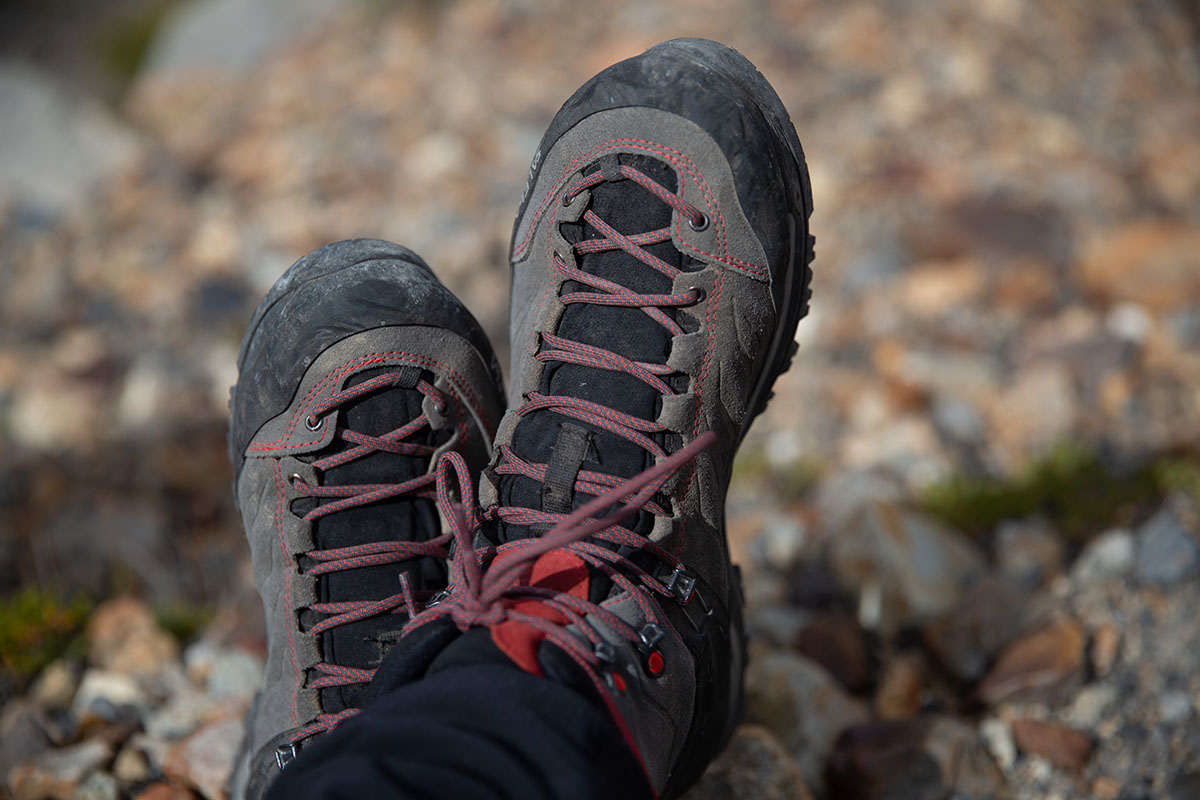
(57, 773)
(154, 750)
(967, 766)
(1167, 553)
(782, 541)
(965, 641)
(1109, 555)
(997, 735)
(205, 759)
(802, 705)
(957, 419)
(55, 686)
(906, 566)
(1090, 705)
(97, 786)
(779, 625)
(1175, 707)
(185, 711)
(101, 692)
(231, 36)
(1029, 551)
(234, 673)
(22, 734)
(57, 148)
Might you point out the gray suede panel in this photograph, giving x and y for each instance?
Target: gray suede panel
(704, 172)
(458, 367)
(658, 710)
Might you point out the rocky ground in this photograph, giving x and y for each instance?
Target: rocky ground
(968, 522)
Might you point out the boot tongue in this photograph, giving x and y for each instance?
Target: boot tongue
(559, 571)
(627, 332)
(361, 644)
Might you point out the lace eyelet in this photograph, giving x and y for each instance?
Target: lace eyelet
(699, 225)
(698, 294)
(567, 199)
(286, 754)
(314, 423)
(294, 478)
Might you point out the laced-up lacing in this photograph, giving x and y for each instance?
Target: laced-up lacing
(561, 349)
(487, 583)
(315, 563)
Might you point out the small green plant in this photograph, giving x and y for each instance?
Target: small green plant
(1179, 475)
(1072, 487)
(37, 627)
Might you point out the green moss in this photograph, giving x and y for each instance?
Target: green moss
(1073, 487)
(1179, 475)
(37, 627)
(184, 621)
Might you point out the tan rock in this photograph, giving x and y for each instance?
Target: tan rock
(1105, 788)
(899, 692)
(1041, 664)
(205, 759)
(55, 686)
(1035, 412)
(56, 773)
(937, 288)
(754, 765)
(1106, 643)
(131, 766)
(164, 791)
(1061, 746)
(124, 637)
(1155, 263)
(1027, 283)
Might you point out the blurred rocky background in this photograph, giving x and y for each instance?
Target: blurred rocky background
(968, 522)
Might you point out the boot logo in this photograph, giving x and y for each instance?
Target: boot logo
(537, 160)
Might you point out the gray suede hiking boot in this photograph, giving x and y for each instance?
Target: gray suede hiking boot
(660, 265)
(358, 370)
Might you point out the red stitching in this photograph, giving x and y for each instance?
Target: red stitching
(287, 586)
(372, 358)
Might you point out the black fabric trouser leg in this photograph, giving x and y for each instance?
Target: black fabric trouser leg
(471, 731)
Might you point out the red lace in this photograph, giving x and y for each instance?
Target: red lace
(323, 562)
(477, 595)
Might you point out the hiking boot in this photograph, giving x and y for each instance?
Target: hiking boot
(358, 370)
(660, 265)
